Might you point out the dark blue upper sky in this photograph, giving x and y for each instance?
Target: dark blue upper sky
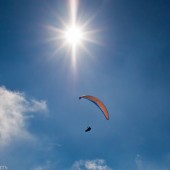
(130, 72)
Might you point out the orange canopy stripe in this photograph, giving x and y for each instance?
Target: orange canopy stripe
(99, 103)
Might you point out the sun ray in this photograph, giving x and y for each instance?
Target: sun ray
(73, 10)
(93, 41)
(87, 51)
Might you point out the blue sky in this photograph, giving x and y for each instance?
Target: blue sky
(42, 122)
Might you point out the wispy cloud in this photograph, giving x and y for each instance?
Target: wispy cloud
(97, 164)
(39, 168)
(150, 165)
(48, 165)
(14, 108)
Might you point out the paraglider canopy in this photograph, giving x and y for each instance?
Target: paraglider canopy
(99, 103)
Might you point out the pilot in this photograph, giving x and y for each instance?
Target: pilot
(88, 129)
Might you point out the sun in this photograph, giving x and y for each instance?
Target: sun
(73, 35)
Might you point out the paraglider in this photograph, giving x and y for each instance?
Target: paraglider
(99, 103)
(88, 129)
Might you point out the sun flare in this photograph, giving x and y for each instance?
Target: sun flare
(74, 34)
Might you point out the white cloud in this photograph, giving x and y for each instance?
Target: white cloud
(97, 164)
(14, 108)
